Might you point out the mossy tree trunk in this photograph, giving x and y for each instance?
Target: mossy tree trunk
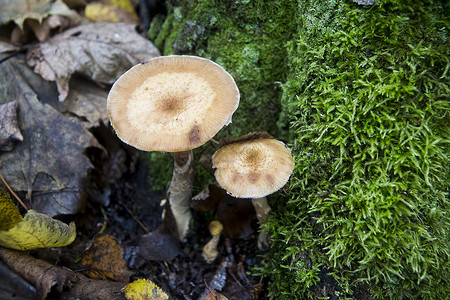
(361, 94)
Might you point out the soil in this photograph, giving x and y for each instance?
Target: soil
(133, 211)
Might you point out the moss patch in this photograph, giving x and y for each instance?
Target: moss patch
(368, 97)
(361, 94)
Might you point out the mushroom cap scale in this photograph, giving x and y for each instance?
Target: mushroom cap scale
(172, 103)
(253, 168)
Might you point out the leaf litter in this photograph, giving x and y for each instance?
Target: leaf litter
(100, 51)
(95, 164)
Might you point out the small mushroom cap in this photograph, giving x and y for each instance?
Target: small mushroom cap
(172, 103)
(215, 227)
(254, 168)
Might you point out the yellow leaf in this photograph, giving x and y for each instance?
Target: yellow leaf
(37, 230)
(125, 5)
(144, 289)
(9, 214)
(104, 259)
(112, 11)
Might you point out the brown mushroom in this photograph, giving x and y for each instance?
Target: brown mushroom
(173, 104)
(254, 168)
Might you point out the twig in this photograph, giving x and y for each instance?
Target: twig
(12, 192)
(137, 219)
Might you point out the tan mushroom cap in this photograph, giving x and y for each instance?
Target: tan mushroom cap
(172, 103)
(254, 168)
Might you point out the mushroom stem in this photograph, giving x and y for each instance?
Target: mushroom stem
(210, 252)
(262, 209)
(180, 190)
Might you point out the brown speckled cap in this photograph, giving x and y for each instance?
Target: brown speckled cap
(253, 168)
(172, 103)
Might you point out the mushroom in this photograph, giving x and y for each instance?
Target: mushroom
(173, 104)
(210, 249)
(254, 166)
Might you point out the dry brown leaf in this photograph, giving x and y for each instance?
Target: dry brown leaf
(100, 51)
(7, 47)
(47, 278)
(9, 130)
(43, 29)
(105, 260)
(13, 286)
(50, 161)
(236, 216)
(86, 100)
(215, 295)
(209, 198)
(33, 269)
(158, 245)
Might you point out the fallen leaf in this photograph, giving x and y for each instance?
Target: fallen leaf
(9, 130)
(236, 216)
(42, 30)
(13, 286)
(209, 198)
(47, 279)
(144, 289)
(105, 260)
(9, 214)
(20, 10)
(111, 11)
(86, 101)
(37, 230)
(7, 47)
(219, 279)
(158, 245)
(100, 51)
(215, 295)
(49, 164)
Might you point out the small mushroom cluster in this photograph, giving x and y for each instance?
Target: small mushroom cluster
(178, 103)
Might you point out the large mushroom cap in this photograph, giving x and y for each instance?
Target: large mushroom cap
(254, 168)
(172, 103)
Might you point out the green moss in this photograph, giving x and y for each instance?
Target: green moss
(239, 36)
(361, 94)
(368, 97)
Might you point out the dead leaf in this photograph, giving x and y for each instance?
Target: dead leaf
(13, 286)
(20, 10)
(86, 100)
(219, 279)
(158, 245)
(111, 12)
(105, 260)
(236, 216)
(215, 295)
(50, 160)
(209, 198)
(144, 289)
(100, 51)
(33, 269)
(7, 47)
(9, 131)
(37, 230)
(43, 29)
(9, 214)
(47, 278)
